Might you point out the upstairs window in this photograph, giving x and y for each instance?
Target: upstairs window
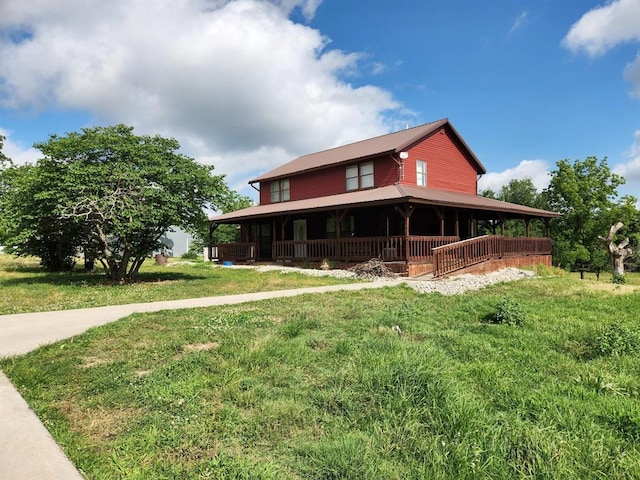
(280, 191)
(360, 176)
(421, 173)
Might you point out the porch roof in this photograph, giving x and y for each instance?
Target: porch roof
(389, 195)
(385, 144)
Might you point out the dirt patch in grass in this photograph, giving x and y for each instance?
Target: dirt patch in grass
(195, 347)
(98, 423)
(610, 287)
(93, 361)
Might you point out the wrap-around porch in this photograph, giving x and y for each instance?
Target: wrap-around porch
(411, 238)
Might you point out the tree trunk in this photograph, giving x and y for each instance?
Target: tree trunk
(135, 267)
(89, 261)
(619, 253)
(618, 266)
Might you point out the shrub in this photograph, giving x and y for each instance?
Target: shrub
(545, 271)
(509, 312)
(617, 340)
(619, 279)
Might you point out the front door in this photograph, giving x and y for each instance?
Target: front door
(299, 234)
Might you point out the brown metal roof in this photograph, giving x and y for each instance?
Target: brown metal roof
(392, 194)
(390, 143)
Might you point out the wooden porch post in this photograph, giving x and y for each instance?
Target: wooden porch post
(526, 227)
(212, 228)
(274, 237)
(546, 228)
(501, 225)
(244, 233)
(457, 225)
(406, 213)
(283, 223)
(338, 216)
(440, 214)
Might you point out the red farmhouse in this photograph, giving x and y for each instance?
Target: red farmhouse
(409, 198)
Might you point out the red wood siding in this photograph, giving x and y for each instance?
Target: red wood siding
(332, 180)
(387, 171)
(265, 193)
(448, 167)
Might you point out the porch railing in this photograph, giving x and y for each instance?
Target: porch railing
(390, 249)
(235, 252)
(465, 253)
(448, 254)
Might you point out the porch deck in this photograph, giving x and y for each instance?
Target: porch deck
(417, 254)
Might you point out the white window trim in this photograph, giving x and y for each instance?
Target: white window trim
(421, 176)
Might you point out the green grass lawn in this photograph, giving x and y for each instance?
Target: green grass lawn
(323, 386)
(26, 287)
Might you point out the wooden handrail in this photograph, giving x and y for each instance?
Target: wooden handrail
(360, 248)
(462, 254)
(236, 252)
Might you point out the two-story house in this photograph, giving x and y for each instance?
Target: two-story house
(401, 197)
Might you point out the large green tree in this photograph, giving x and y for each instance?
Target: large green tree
(28, 225)
(3, 158)
(24, 224)
(586, 193)
(109, 192)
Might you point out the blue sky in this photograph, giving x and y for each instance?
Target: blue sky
(249, 84)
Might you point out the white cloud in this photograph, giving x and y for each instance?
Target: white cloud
(19, 154)
(537, 170)
(604, 27)
(307, 7)
(231, 79)
(630, 170)
(377, 68)
(632, 75)
(518, 22)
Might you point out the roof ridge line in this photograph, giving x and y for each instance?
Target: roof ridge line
(373, 138)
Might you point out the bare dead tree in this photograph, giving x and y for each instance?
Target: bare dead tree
(619, 253)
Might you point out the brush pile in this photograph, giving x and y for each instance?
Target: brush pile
(374, 268)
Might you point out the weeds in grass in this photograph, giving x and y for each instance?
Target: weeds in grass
(619, 279)
(509, 312)
(617, 339)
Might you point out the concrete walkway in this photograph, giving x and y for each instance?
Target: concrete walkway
(27, 450)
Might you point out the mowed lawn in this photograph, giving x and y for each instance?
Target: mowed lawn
(26, 287)
(384, 384)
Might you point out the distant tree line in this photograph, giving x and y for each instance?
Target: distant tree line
(585, 192)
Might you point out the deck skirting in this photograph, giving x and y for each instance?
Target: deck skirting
(493, 265)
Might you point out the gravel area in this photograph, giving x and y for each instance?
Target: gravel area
(461, 283)
(313, 272)
(452, 285)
